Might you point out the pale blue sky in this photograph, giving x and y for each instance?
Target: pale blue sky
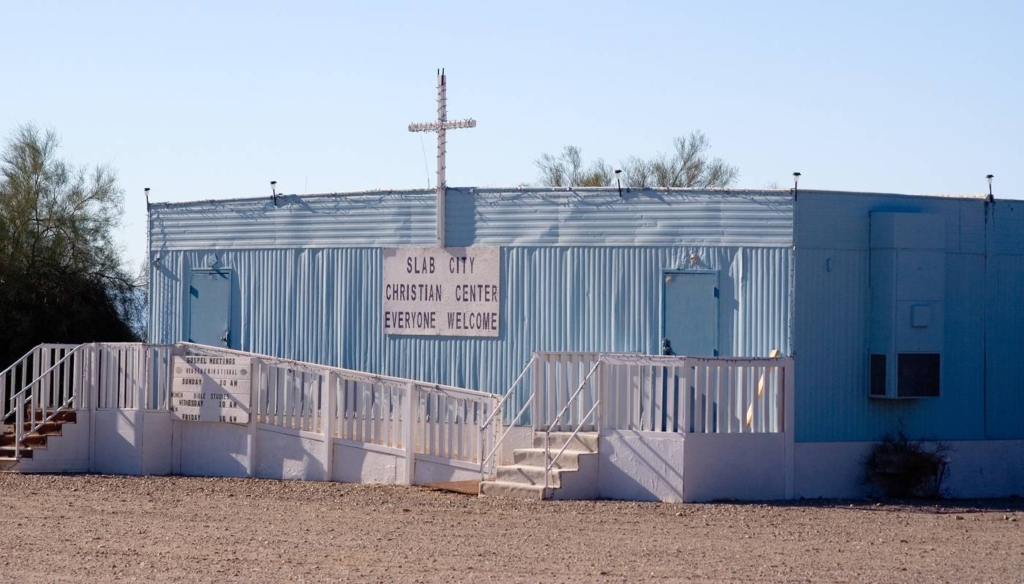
(213, 100)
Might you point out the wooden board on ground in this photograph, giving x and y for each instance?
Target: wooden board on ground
(461, 487)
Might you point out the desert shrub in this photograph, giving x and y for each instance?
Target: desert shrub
(905, 468)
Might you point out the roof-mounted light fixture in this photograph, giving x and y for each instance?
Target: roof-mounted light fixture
(618, 173)
(989, 177)
(796, 183)
(273, 191)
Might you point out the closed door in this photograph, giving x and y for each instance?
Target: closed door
(691, 313)
(210, 308)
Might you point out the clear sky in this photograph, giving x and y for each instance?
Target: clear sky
(215, 99)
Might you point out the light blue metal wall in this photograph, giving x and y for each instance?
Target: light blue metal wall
(581, 271)
(1004, 319)
(984, 284)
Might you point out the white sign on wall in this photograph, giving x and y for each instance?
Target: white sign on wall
(211, 389)
(453, 291)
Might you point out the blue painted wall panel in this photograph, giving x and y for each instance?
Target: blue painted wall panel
(831, 323)
(830, 336)
(1005, 362)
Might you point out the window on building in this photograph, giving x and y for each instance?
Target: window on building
(917, 375)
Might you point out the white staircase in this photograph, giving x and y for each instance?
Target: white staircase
(572, 476)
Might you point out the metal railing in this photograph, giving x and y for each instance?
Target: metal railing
(556, 380)
(661, 394)
(23, 371)
(433, 421)
(549, 462)
(52, 392)
(487, 462)
(695, 394)
(437, 422)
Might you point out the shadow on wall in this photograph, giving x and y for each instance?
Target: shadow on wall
(283, 456)
(643, 467)
(116, 442)
(228, 459)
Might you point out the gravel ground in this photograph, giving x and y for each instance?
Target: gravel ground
(99, 528)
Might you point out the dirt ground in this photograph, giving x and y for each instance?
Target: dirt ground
(99, 528)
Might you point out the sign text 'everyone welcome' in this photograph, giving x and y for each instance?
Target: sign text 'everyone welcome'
(444, 292)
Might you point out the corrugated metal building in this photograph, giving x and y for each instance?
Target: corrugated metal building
(590, 270)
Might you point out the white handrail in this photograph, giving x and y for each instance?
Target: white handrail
(550, 464)
(19, 361)
(498, 409)
(574, 395)
(497, 444)
(48, 371)
(11, 373)
(547, 431)
(509, 392)
(348, 373)
(22, 398)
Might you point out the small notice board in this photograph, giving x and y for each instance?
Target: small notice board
(211, 389)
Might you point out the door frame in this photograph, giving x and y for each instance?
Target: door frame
(665, 273)
(187, 328)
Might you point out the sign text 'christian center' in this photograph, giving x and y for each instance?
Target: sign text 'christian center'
(454, 291)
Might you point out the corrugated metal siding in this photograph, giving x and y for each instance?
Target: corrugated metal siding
(325, 305)
(480, 217)
(363, 219)
(601, 217)
(831, 327)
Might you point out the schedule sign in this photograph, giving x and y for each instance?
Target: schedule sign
(211, 389)
(453, 291)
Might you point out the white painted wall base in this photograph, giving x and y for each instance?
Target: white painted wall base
(657, 466)
(745, 467)
(640, 466)
(117, 437)
(977, 468)
(134, 442)
(646, 466)
(355, 464)
(68, 452)
(289, 455)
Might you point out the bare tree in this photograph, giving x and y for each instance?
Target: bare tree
(567, 170)
(689, 166)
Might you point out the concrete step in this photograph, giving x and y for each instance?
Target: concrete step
(583, 441)
(528, 475)
(570, 459)
(511, 490)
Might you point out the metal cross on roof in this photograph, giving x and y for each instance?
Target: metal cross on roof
(441, 126)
